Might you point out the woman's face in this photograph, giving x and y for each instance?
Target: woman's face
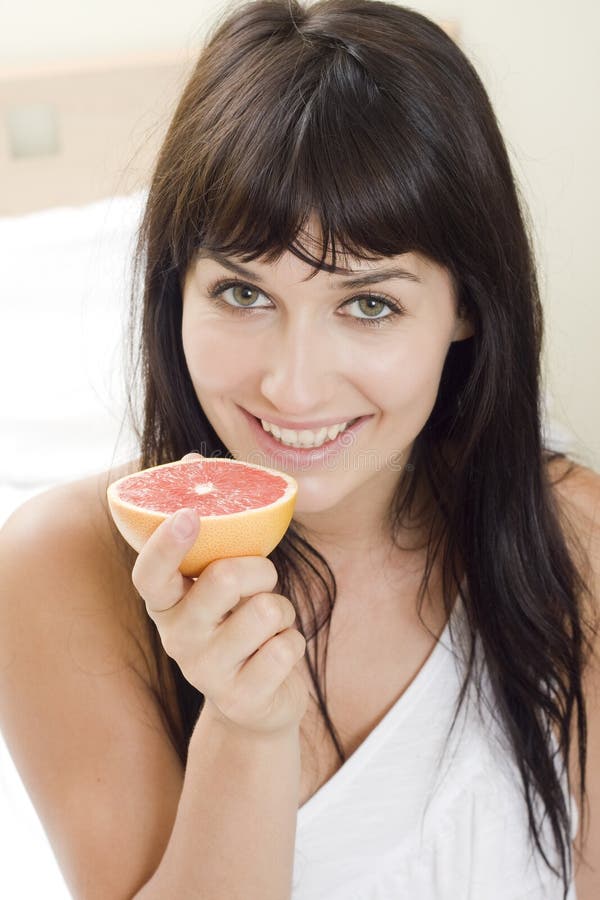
(300, 353)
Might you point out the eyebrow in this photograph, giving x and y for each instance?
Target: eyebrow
(371, 277)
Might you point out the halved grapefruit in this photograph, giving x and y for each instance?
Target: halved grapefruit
(245, 509)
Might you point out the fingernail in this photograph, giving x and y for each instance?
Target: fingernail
(183, 524)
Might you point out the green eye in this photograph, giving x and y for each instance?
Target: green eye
(371, 306)
(243, 299)
(244, 294)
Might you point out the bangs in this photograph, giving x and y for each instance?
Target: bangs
(320, 148)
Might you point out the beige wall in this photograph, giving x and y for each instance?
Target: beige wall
(541, 66)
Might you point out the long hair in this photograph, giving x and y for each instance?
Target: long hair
(368, 116)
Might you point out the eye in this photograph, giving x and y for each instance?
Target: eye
(371, 305)
(243, 295)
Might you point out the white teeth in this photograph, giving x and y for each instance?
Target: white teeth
(287, 435)
(334, 430)
(304, 438)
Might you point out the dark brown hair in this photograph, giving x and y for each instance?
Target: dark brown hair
(367, 115)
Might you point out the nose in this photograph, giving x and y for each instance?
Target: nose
(299, 370)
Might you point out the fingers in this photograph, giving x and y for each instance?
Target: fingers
(156, 572)
(225, 582)
(223, 593)
(219, 587)
(257, 620)
(266, 670)
(209, 646)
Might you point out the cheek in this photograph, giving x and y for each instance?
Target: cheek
(214, 360)
(408, 377)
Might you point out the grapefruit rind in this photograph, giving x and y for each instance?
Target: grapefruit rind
(251, 532)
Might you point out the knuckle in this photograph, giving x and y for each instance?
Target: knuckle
(266, 608)
(221, 576)
(283, 650)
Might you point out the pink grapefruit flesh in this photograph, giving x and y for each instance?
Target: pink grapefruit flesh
(245, 509)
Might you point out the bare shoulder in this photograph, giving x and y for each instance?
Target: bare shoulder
(577, 492)
(79, 707)
(67, 534)
(578, 485)
(63, 510)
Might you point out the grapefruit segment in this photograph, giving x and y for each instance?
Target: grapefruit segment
(245, 509)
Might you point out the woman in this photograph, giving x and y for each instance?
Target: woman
(333, 240)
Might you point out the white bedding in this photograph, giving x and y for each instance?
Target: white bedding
(64, 283)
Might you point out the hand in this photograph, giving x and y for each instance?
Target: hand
(232, 638)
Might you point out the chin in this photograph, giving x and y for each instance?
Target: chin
(316, 496)
(308, 503)
(311, 507)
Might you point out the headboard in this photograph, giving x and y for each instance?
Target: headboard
(74, 133)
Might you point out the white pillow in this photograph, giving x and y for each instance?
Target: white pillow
(65, 277)
(64, 293)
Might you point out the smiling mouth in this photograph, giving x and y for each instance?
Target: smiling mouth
(306, 439)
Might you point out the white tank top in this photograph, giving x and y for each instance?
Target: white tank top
(411, 817)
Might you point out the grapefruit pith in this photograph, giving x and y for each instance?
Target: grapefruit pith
(244, 509)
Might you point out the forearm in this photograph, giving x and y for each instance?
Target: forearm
(235, 827)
